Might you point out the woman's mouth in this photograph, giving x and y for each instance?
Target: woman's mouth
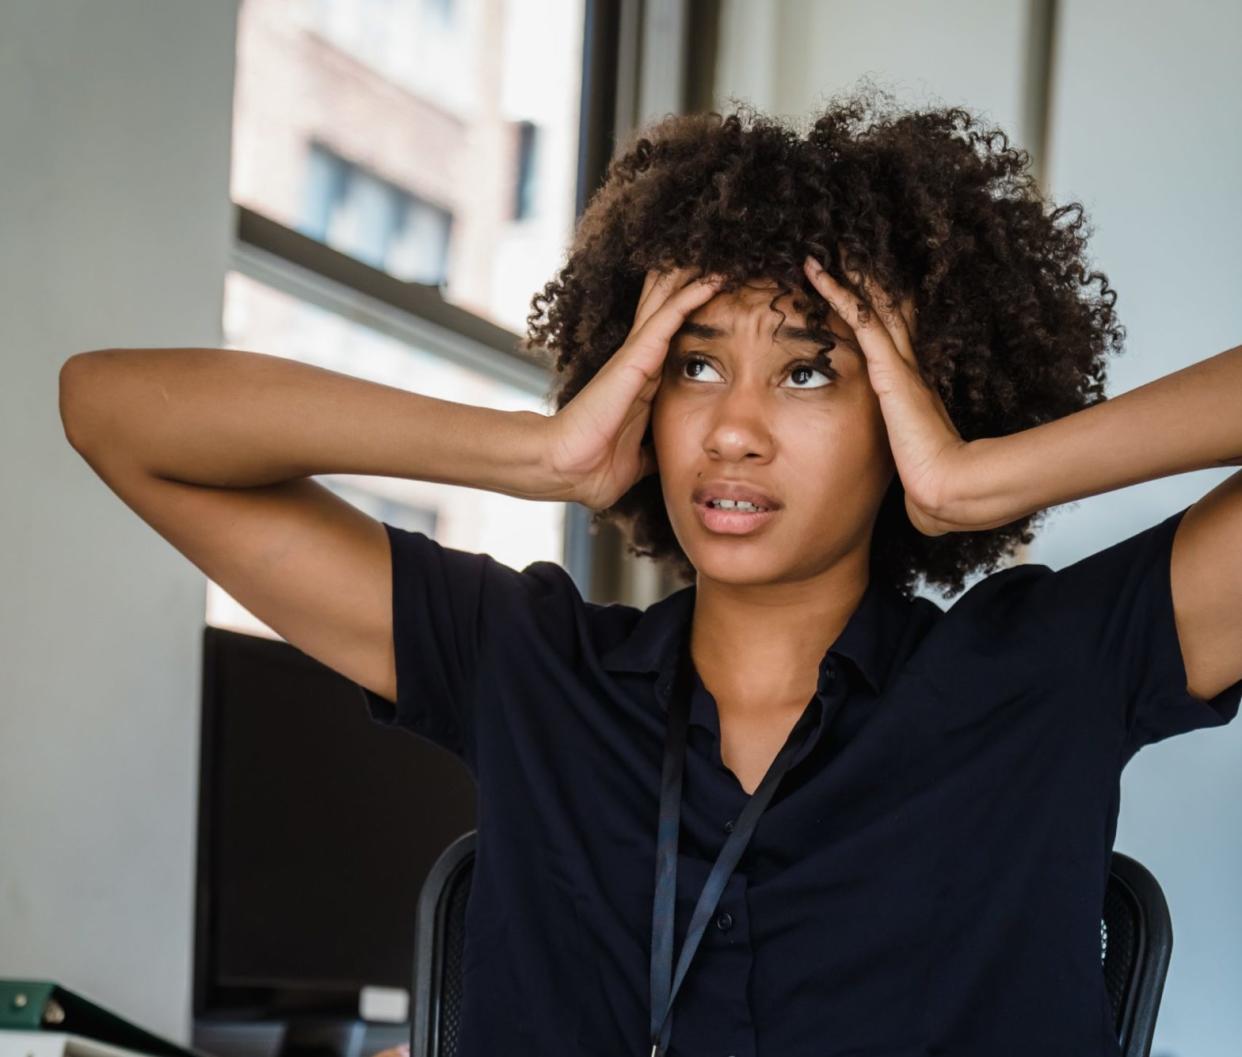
(729, 519)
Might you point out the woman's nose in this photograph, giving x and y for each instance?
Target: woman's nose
(739, 426)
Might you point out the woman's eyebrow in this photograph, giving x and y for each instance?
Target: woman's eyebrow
(705, 331)
(805, 335)
(809, 336)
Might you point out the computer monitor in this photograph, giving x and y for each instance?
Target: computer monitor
(317, 826)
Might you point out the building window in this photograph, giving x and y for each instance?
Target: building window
(435, 139)
(374, 220)
(527, 159)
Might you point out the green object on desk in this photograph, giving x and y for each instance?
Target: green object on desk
(43, 1005)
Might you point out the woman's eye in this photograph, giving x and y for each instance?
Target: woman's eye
(806, 366)
(690, 360)
(800, 369)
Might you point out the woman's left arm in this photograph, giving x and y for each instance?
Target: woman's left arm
(1188, 420)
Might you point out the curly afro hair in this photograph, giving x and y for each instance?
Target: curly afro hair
(929, 203)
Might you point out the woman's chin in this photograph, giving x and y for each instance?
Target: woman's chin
(740, 566)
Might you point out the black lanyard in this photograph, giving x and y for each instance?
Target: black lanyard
(666, 853)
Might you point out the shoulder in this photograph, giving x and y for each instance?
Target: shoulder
(1018, 598)
(992, 637)
(545, 599)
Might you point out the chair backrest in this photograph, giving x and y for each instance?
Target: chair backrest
(1136, 940)
(439, 944)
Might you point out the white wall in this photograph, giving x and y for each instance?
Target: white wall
(1146, 112)
(114, 205)
(783, 55)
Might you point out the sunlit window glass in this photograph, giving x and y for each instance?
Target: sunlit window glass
(435, 140)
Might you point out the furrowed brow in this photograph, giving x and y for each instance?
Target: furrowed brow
(705, 331)
(801, 335)
(819, 337)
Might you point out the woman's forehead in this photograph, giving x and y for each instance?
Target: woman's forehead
(749, 311)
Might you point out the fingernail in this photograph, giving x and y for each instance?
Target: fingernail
(814, 265)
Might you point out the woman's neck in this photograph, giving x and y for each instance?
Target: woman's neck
(758, 648)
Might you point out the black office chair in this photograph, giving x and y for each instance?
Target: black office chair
(439, 942)
(1136, 940)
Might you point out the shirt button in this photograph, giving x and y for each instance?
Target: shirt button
(729, 826)
(724, 920)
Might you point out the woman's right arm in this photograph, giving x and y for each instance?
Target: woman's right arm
(214, 449)
(233, 419)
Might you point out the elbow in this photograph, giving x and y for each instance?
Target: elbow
(74, 388)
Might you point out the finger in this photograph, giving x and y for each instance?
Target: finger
(657, 288)
(652, 277)
(667, 284)
(651, 340)
(910, 316)
(894, 318)
(874, 335)
(645, 350)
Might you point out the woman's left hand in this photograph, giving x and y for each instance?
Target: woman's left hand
(929, 453)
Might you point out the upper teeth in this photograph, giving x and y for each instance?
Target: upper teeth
(734, 504)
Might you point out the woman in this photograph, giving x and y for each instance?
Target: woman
(793, 808)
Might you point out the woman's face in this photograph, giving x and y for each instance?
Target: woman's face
(740, 403)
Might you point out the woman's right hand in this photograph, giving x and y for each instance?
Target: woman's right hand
(594, 443)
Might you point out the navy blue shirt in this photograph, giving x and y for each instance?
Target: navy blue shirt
(929, 876)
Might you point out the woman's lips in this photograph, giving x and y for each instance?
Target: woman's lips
(732, 522)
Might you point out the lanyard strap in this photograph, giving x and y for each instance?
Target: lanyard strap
(667, 836)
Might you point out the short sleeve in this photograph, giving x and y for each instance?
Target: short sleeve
(444, 601)
(1113, 614)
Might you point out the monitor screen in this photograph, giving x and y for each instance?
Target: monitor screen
(317, 827)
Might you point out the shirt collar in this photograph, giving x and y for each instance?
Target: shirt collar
(868, 640)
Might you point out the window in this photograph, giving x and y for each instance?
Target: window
(406, 176)
(527, 137)
(373, 219)
(435, 143)
(434, 140)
